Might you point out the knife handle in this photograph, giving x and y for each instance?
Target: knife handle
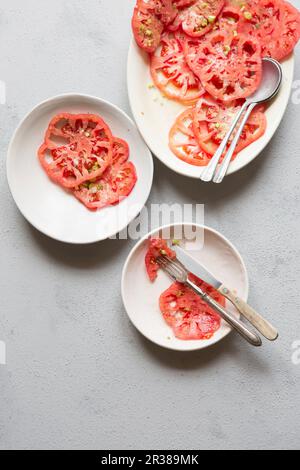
(262, 325)
(235, 323)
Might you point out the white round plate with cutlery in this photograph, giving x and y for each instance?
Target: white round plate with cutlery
(142, 302)
(47, 206)
(155, 115)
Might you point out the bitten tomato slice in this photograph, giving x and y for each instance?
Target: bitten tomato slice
(147, 29)
(199, 18)
(212, 120)
(187, 314)
(183, 143)
(114, 185)
(228, 65)
(170, 71)
(156, 247)
(77, 147)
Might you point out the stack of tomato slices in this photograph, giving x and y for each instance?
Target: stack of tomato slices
(207, 54)
(184, 311)
(81, 155)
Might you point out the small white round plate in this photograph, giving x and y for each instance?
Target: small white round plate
(47, 206)
(141, 297)
(155, 115)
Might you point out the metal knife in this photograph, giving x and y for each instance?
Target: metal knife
(195, 267)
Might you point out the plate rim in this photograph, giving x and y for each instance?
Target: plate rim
(135, 248)
(231, 170)
(14, 136)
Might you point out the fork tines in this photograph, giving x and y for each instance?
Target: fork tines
(171, 267)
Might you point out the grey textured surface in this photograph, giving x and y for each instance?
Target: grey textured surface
(78, 375)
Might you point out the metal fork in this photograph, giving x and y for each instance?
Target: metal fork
(269, 87)
(178, 273)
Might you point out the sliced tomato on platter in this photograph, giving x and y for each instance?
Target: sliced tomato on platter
(230, 18)
(183, 143)
(147, 29)
(290, 33)
(165, 10)
(171, 73)
(229, 65)
(183, 3)
(156, 247)
(199, 18)
(275, 23)
(261, 19)
(77, 147)
(187, 314)
(212, 120)
(114, 185)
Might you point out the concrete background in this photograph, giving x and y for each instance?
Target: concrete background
(78, 375)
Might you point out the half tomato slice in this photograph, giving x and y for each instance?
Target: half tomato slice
(187, 314)
(183, 143)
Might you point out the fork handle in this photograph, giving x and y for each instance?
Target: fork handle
(262, 325)
(223, 168)
(242, 329)
(209, 171)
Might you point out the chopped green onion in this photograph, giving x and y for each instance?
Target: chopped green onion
(211, 18)
(248, 15)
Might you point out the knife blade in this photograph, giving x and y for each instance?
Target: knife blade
(195, 267)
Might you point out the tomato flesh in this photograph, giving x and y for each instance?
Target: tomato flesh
(229, 18)
(156, 247)
(114, 185)
(187, 314)
(148, 21)
(165, 10)
(276, 24)
(212, 120)
(147, 29)
(183, 3)
(183, 143)
(76, 148)
(228, 65)
(199, 18)
(171, 73)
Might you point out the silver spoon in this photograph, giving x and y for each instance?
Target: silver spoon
(269, 87)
